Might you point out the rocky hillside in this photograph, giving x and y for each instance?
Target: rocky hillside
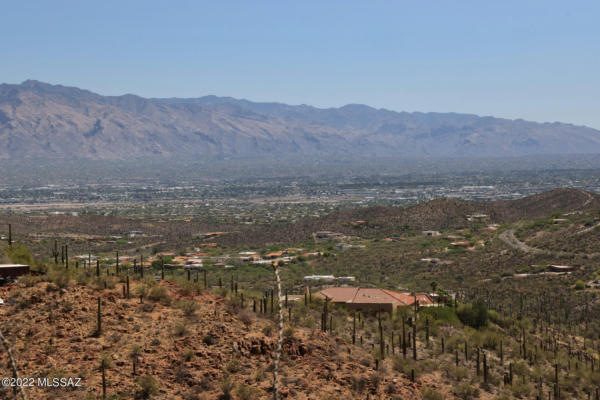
(39, 120)
(443, 213)
(202, 352)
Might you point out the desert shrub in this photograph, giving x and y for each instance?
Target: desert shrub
(208, 340)
(188, 307)
(374, 379)
(579, 285)
(246, 318)
(181, 373)
(147, 307)
(390, 388)
(188, 288)
(503, 395)
(267, 330)
(141, 291)
(106, 360)
(245, 392)
(226, 387)
(521, 368)
(60, 277)
(159, 294)
(406, 365)
(457, 373)
(180, 328)
(309, 322)
(521, 390)
(288, 332)
(442, 314)
(135, 351)
(188, 355)
(29, 280)
(431, 394)
(491, 340)
(465, 391)
(233, 366)
(19, 254)
(259, 375)
(359, 383)
(148, 386)
(453, 342)
(474, 315)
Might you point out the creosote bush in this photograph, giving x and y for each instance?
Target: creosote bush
(465, 391)
(188, 307)
(233, 366)
(180, 328)
(226, 388)
(246, 318)
(159, 294)
(431, 394)
(245, 392)
(148, 386)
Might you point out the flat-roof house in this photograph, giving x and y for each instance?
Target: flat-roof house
(561, 268)
(463, 243)
(327, 278)
(370, 299)
(12, 271)
(431, 233)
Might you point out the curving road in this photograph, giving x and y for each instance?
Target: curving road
(510, 239)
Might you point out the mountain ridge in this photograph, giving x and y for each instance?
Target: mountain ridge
(40, 120)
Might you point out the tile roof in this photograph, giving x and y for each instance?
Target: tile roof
(372, 296)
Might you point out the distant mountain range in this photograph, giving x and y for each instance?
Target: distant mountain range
(39, 120)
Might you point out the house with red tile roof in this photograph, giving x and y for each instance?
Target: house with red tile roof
(370, 299)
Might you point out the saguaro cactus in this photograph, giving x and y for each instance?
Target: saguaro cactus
(403, 338)
(279, 335)
(381, 342)
(478, 366)
(10, 234)
(99, 327)
(485, 368)
(55, 252)
(103, 368)
(353, 326)
(414, 340)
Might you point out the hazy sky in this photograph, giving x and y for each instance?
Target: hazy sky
(537, 60)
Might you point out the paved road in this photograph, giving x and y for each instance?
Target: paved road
(589, 229)
(510, 239)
